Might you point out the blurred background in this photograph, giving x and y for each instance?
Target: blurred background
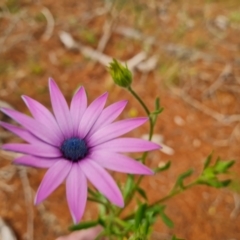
(186, 52)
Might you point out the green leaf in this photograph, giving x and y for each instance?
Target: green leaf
(140, 215)
(140, 233)
(179, 182)
(128, 186)
(166, 219)
(156, 112)
(157, 103)
(83, 225)
(145, 227)
(142, 193)
(158, 109)
(208, 161)
(209, 175)
(163, 168)
(101, 222)
(159, 210)
(225, 183)
(222, 166)
(214, 182)
(151, 216)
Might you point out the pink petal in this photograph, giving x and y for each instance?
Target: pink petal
(108, 115)
(41, 149)
(127, 145)
(102, 180)
(22, 133)
(78, 107)
(43, 132)
(32, 161)
(52, 179)
(60, 109)
(115, 130)
(91, 114)
(120, 163)
(76, 187)
(43, 115)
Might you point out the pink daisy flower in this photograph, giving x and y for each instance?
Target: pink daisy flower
(77, 144)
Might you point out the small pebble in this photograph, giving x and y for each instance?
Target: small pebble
(197, 143)
(6, 233)
(179, 120)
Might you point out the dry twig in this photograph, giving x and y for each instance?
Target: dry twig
(49, 219)
(8, 32)
(6, 233)
(28, 200)
(235, 212)
(225, 119)
(179, 51)
(104, 59)
(226, 72)
(26, 187)
(50, 24)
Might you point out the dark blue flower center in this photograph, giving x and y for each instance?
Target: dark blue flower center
(74, 149)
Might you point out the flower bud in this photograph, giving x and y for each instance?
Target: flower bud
(121, 75)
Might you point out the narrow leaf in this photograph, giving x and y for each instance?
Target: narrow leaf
(167, 220)
(163, 168)
(208, 161)
(142, 193)
(128, 186)
(83, 225)
(140, 215)
(157, 103)
(179, 182)
(222, 166)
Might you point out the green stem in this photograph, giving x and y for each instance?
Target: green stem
(152, 123)
(139, 99)
(173, 193)
(170, 195)
(96, 200)
(91, 192)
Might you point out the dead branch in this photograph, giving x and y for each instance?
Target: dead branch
(107, 32)
(7, 172)
(17, 40)
(26, 188)
(104, 59)
(134, 34)
(9, 155)
(50, 24)
(226, 72)
(8, 32)
(4, 104)
(28, 200)
(148, 65)
(179, 51)
(225, 119)
(6, 232)
(88, 16)
(226, 142)
(109, 25)
(232, 88)
(49, 219)
(135, 60)
(235, 212)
